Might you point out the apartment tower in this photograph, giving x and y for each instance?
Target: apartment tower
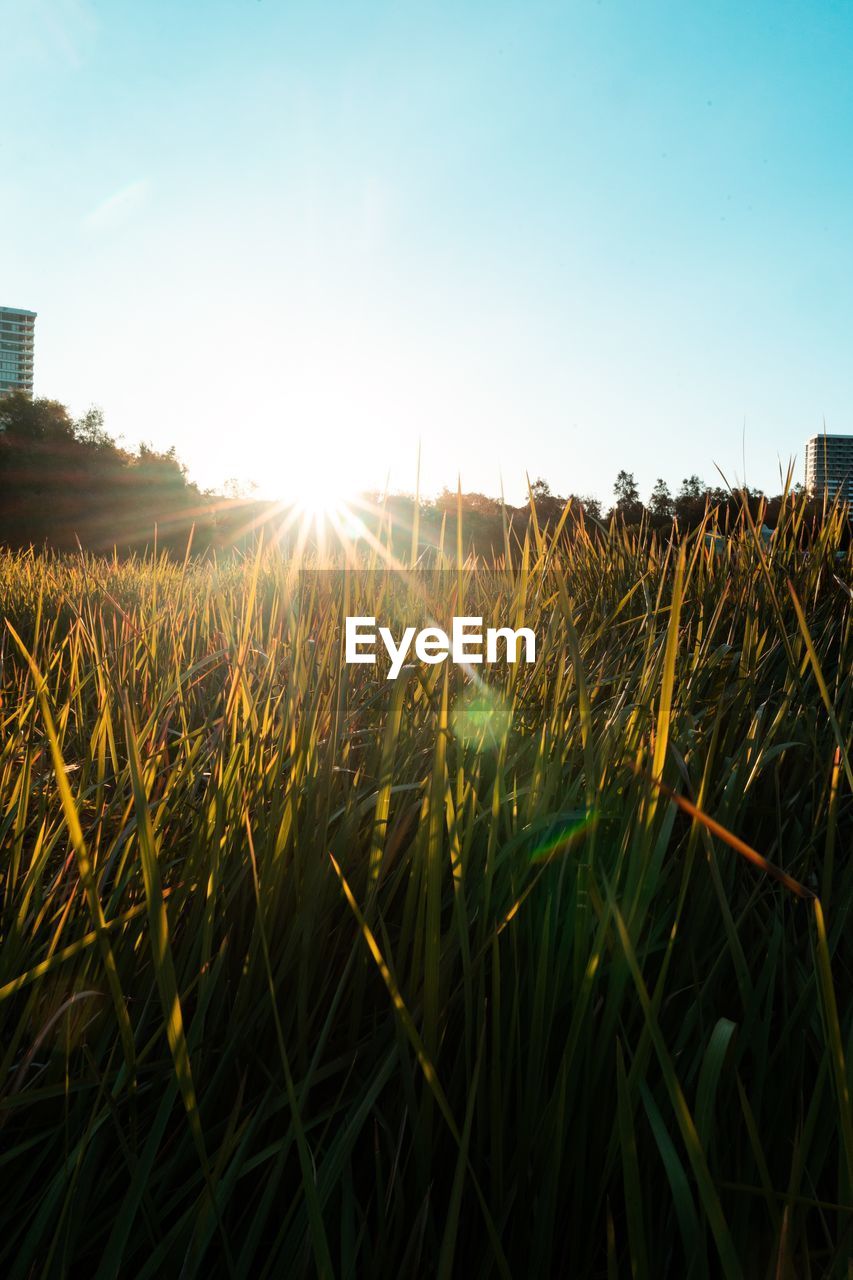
(829, 466)
(16, 350)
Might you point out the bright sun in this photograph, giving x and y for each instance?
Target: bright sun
(321, 492)
(322, 510)
(330, 512)
(321, 504)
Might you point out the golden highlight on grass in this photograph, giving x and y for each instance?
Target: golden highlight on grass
(529, 970)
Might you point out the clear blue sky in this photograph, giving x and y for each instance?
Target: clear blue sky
(292, 238)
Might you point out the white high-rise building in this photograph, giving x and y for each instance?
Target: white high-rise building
(829, 466)
(16, 350)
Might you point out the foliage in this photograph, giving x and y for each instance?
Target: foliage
(661, 505)
(64, 481)
(306, 972)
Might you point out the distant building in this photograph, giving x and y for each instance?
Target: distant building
(829, 466)
(16, 350)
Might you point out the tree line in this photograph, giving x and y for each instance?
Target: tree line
(66, 482)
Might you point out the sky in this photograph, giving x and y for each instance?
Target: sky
(297, 241)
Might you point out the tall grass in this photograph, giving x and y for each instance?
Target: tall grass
(547, 973)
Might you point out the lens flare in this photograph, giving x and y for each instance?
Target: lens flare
(564, 832)
(481, 719)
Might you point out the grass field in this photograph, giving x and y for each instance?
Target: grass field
(308, 972)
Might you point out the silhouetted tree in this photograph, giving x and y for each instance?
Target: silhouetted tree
(591, 507)
(62, 480)
(90, 430)
(625, 489)
(549, 505)
(23, 419)
(661, 505)
(628, 504)
(691, 501)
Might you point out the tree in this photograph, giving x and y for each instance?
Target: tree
(238, 490)
(450, 499)
(90, 430)
(660, 503)
(691, 501)
(628, 503)
(549, 505)
(625, 489)
(693, 488)
(62, 480)
(24, 419)
(591, 506)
